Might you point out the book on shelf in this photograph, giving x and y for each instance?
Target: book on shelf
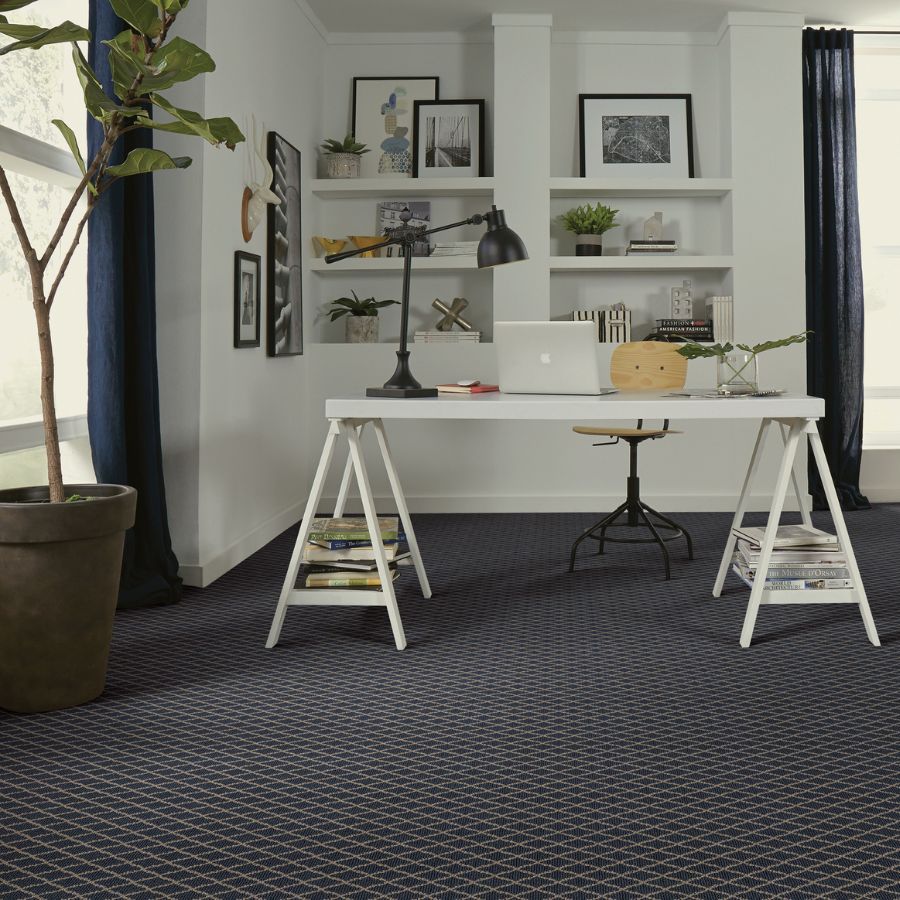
(313, 553)
(793, 570)
(721, 311)
(818, 556)
(355, 565)
(447, 337)
(682, 323)
(467, 389)
(324, 579)
(343, 544)
(789, 536)
(352, 528)
(798, 584)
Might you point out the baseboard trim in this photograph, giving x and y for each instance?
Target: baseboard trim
(206, 573)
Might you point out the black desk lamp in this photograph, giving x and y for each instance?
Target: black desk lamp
(498, 245)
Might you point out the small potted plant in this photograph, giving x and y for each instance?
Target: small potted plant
(362, 317)
(589, 224)
(737, 365)
(342, 157)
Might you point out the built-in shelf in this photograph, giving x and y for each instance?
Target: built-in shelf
(349, 188)
(394, 264)
(640, 187)
(637, 263)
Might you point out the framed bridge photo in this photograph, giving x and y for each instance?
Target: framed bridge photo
(636, 135)
(448, 139)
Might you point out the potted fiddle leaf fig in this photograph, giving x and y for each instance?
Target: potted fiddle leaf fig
(589, 224)
(61, 545)
(362, 317)
(342, 158)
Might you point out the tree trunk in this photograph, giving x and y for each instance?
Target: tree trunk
(48, 401)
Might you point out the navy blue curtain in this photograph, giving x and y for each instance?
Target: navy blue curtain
(123, 398)
(834, 285)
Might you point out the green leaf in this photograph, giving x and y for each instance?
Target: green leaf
(216, 131)
(32, 37)
(10, 5)
(126, 62)
(773, 345)
(143, 161)
(176, 61)
(172, 6)
(72, 141)
(141, 15)
(382, 303)
(95, 100)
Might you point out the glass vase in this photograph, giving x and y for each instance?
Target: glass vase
(737, 373)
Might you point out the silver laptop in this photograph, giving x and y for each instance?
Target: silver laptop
(548, 358)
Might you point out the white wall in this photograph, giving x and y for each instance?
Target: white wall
(234, 421)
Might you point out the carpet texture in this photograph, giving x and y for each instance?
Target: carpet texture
(599, 734)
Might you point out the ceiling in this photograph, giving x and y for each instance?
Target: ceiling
(607, 15)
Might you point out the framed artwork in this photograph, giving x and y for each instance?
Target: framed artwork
(387, 216)
(247, 290)
(284, 294)
(383, 118)
(636, 135)
(448, 138)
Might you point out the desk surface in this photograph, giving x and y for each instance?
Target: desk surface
(564, 407)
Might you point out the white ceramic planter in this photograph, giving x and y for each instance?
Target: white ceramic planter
(342, 165)
(362, 329)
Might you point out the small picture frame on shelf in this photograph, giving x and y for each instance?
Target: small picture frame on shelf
(382, 119)
(247, 292)
(448, 139)
(636, 135)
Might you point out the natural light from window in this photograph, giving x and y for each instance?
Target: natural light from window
(877, 69)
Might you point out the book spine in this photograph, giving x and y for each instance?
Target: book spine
(334, 581)
(804, 572)
(346, 544)
(317, 537)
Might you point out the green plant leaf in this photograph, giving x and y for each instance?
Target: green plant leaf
(172, 6)
(216, 131)
(382, 303)
(141, 15)
(773, 345)
(589, 219)
(95, 100)
(176, 61)
(72, 141)
(142, 161)
(31, 37)
(125, 62)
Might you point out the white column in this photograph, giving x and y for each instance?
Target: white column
(522, 160)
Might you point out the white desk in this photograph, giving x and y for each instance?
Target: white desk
(794, 415)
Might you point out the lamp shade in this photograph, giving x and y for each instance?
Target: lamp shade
(499, 244)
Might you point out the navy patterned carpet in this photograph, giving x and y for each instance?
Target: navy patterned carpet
(544, 735)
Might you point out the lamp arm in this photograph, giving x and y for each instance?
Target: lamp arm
(477, 219)
(346, 254)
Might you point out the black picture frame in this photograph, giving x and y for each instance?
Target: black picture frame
(474, 168)
(589, 151)
(284, 252)
(243, 311)
(363, 117)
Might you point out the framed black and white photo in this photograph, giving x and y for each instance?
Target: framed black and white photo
(387, 217)
(636, 135)
(448, 138)
(383, 120)
(284, 294)
(247, 277)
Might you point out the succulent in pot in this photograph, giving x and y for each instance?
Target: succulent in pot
(60, 562)
(342, 157)
(589, 224)
(362, 317)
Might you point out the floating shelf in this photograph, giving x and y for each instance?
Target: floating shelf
(640, 187)
(349, 188)
(394, 264)
(637, 263)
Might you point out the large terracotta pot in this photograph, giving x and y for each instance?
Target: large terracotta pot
(60, 565)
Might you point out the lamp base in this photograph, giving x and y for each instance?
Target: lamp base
(401, 393)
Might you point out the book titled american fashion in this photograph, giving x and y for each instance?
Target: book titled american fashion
(353, 528)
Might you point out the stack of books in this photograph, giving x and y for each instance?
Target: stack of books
(804, 559)
(447, 337)
(338, 552)
(454, 248)
(693, 329)
(637, 248)
(721, 312)
(468, 388)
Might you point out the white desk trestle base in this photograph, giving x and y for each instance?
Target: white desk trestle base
(794, 416)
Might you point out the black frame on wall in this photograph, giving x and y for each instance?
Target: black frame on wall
(241, 256)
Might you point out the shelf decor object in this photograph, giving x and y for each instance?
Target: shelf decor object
(342, 158)
(382, 118)
(284, 330)
(448, 138)
(589, 224)
(498, 245)
(361, 320)
(636, 135)
(247, 280)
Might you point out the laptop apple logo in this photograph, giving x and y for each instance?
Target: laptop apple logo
(545, 359)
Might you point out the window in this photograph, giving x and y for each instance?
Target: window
(877, 114)
(36, 87)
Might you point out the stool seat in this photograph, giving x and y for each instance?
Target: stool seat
(623, 432)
